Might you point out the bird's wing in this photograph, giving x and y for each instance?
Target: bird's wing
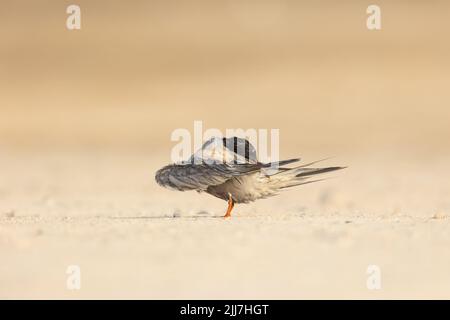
(199, 177)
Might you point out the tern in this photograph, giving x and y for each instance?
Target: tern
(227, 168)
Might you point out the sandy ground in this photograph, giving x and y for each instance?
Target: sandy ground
(86, 118)
(103, 212)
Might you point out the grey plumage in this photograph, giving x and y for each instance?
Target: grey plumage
(199, 177)
(229, 169)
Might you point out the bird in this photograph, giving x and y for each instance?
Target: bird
(228, 168)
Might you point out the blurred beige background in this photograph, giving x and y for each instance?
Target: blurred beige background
(137, 70)
(86, 118)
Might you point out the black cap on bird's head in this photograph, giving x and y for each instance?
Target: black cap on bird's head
(241, 147)
(235, 150)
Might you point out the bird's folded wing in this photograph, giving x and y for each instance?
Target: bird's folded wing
(199, 176)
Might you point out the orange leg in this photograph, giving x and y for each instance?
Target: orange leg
(230, 207)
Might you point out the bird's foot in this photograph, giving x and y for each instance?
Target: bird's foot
(230, 207)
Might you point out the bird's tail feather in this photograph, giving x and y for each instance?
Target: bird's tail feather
(280, 163)
(299, 175)
(299, 183)
(305, 172)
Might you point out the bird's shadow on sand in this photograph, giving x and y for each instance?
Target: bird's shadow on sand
(166, 217)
